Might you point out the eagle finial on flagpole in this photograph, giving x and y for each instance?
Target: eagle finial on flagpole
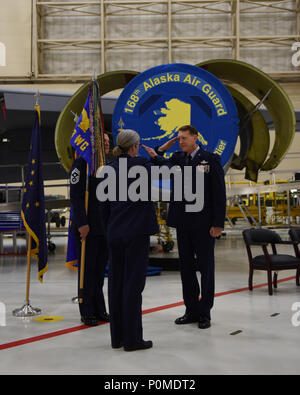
(76, 117)
(37, 97)
(37, 104)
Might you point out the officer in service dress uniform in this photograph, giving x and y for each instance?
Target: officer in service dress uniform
(89, 227)
(129, 226)
(196, 231)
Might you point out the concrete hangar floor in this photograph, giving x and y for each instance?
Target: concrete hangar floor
(251, 332)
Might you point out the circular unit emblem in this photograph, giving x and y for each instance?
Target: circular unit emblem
(157, 102)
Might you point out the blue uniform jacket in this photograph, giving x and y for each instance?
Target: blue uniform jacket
(77, 198)
(126, 218)
(214, 210)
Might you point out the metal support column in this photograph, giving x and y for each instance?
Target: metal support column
(103, 54)
(289, 207)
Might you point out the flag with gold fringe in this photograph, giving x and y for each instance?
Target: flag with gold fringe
(33, 203)
(87, 140)
(87, 137)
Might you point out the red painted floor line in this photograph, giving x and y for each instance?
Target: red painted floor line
(41, 337)
(169, 306)
(148, 311)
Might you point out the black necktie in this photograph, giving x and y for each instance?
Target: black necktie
(188, 160)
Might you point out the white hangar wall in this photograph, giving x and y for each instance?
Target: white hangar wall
(15, 38)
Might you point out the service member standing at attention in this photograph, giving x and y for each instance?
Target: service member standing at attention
(196, 231)
(129, 226)
(90, 228)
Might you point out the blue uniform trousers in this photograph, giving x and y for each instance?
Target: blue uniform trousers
(128, 262)
(196, 252)
(96, 257)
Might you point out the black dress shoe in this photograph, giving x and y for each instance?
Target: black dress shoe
(90, 320)
(140, 346)
(117, 345)
(204, 323)
(186, 319)
(103, 317)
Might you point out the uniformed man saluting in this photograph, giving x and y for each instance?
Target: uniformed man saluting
(90, 228)
(196, 231)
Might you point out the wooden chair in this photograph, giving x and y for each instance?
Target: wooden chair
(270, 262)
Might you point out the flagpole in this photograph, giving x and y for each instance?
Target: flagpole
(83, 243)
(92, 139)
(27, 310)
(28, 270)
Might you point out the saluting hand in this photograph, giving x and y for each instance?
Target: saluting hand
(151, 152)
(84, 231)
(169, 144)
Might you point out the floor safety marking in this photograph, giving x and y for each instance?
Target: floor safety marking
(48, 319)
(81, 327)
(236, 332)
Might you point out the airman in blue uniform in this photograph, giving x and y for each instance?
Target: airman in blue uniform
(129, 225)
(196, 231)
(89, 227)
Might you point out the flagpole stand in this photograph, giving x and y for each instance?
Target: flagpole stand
(26, 311)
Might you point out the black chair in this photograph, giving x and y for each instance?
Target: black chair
(294, 234)
(270, 262)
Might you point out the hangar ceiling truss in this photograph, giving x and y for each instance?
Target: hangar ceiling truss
(171, 39)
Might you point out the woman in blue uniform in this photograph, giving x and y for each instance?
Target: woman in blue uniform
(129, 225)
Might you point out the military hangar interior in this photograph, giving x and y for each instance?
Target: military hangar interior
(49, 51)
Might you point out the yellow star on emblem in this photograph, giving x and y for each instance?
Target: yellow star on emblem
(30, 183)
(33, 161)
(32, 172)
(37, 204)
